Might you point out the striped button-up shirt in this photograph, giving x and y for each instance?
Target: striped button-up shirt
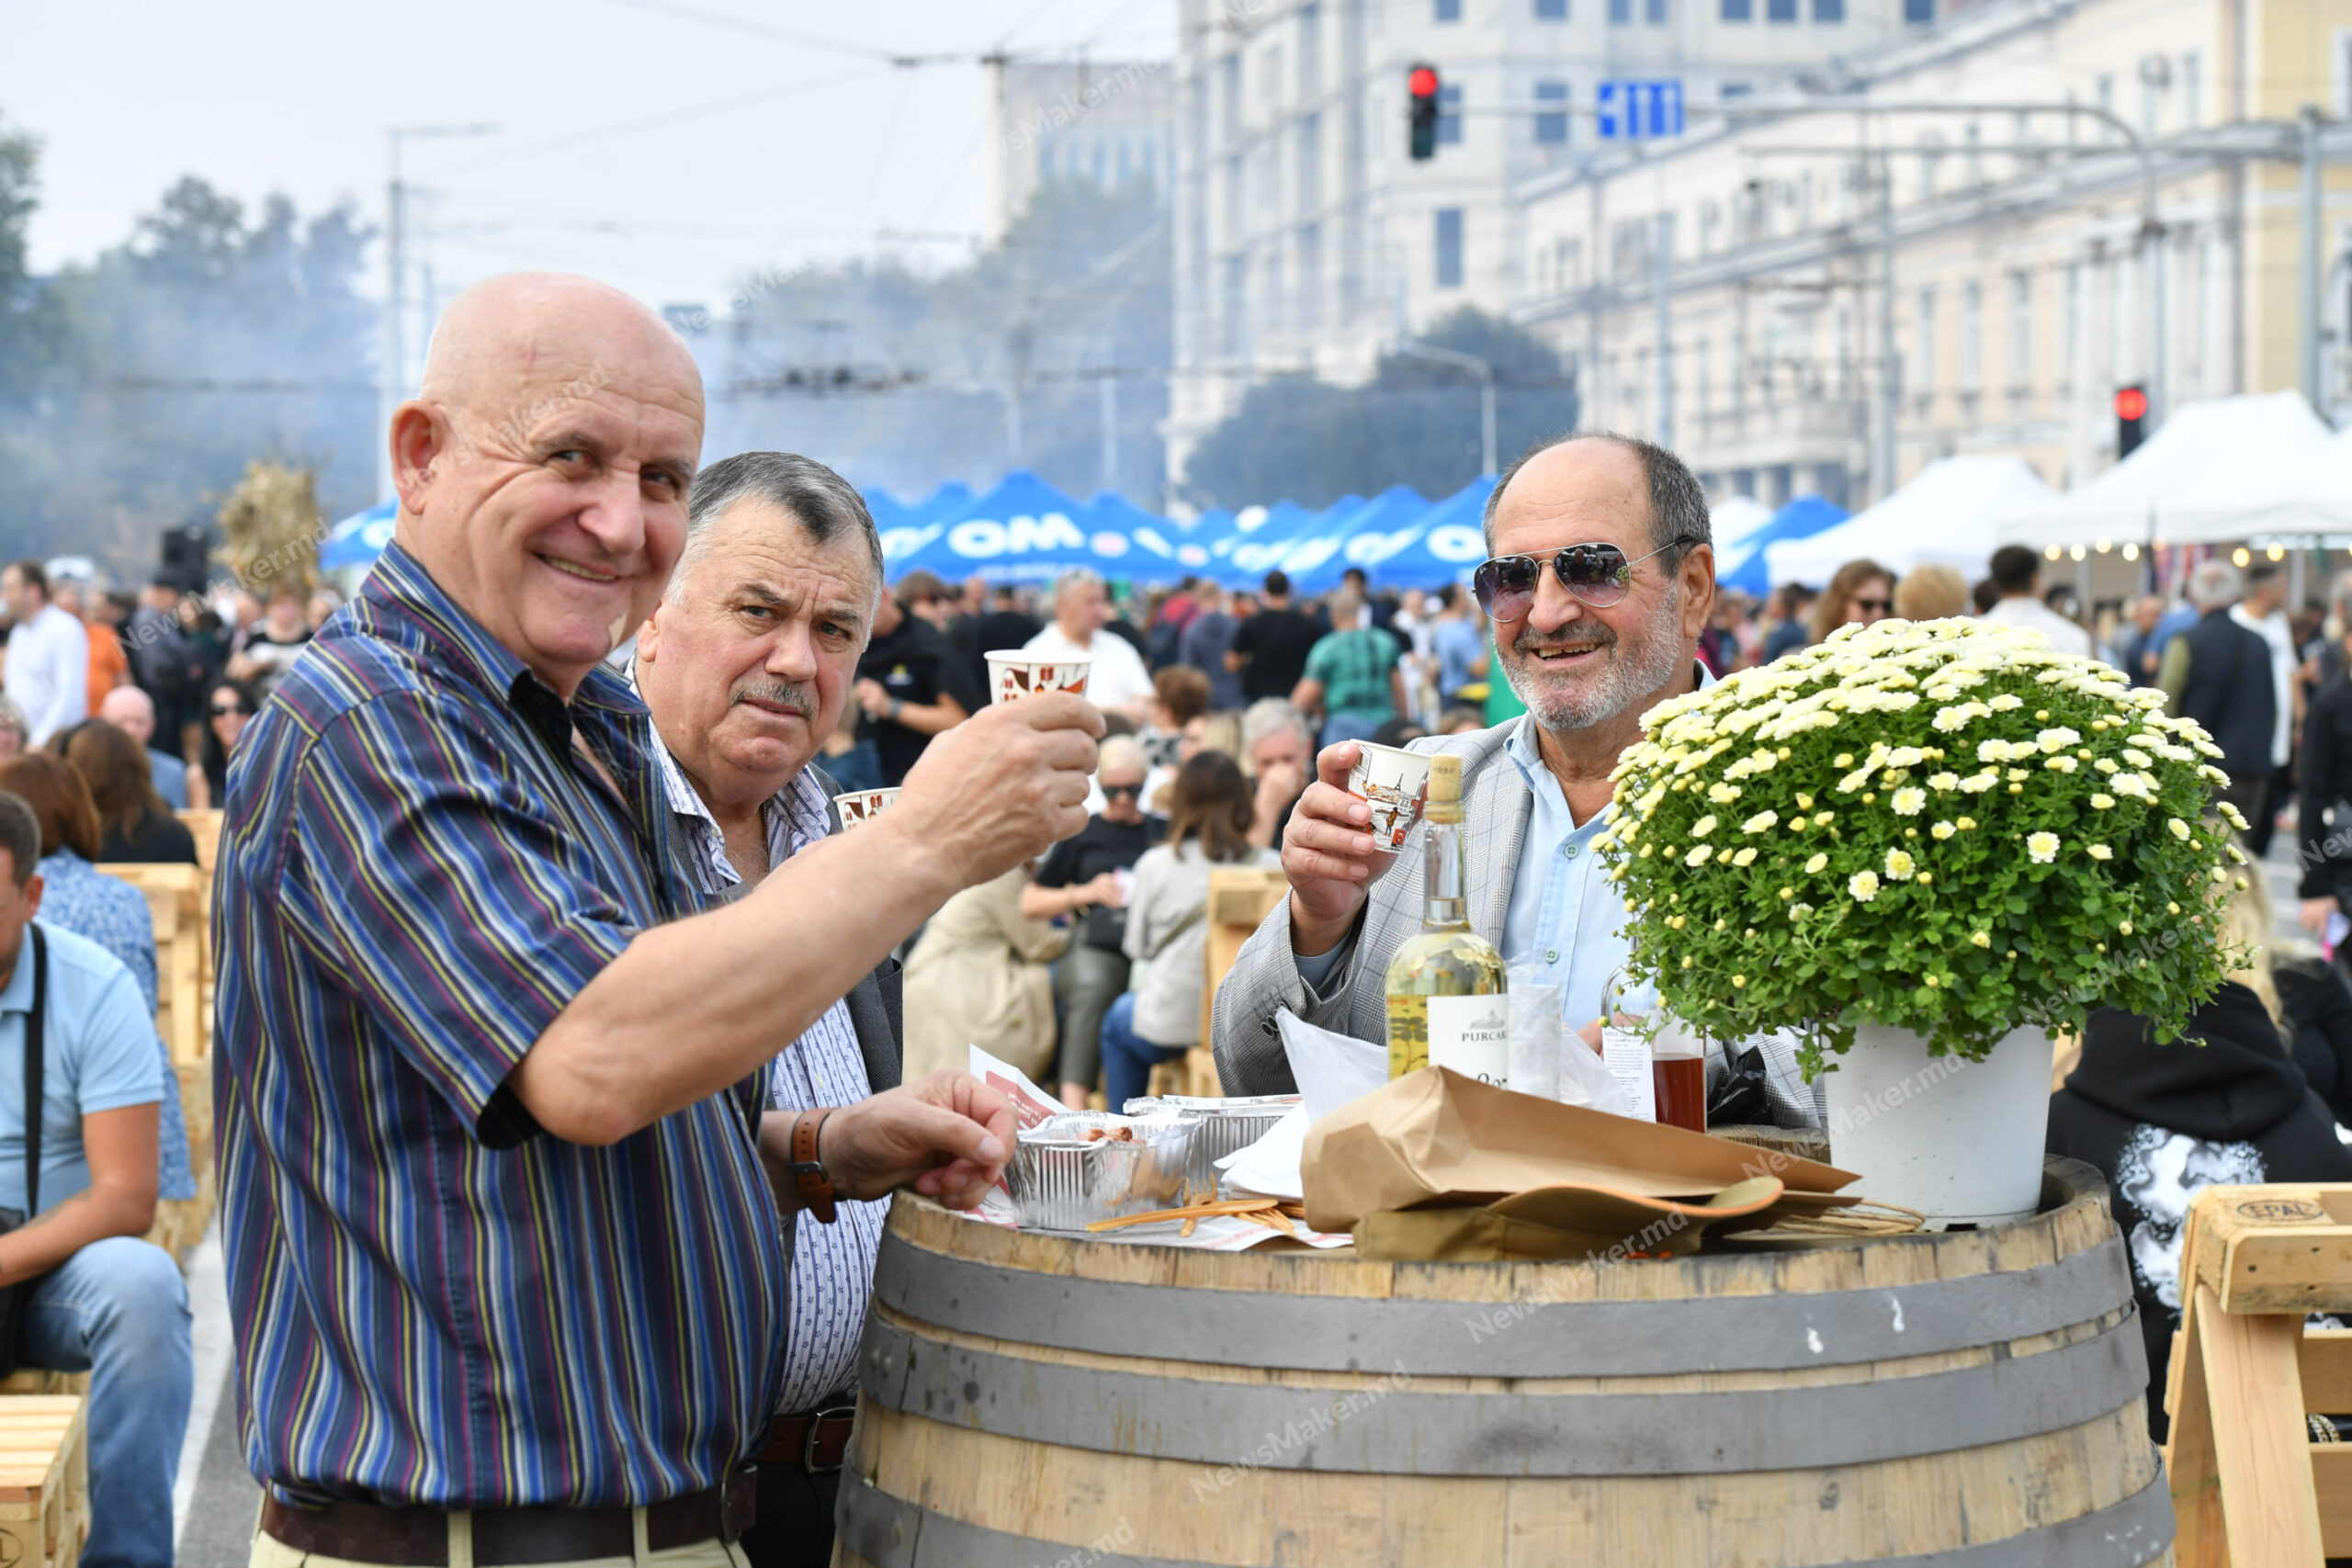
(435, 1301)
(833, 1266)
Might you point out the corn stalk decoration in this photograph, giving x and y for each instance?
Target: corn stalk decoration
(270, 528)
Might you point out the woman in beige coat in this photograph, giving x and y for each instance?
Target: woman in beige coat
(979, 977)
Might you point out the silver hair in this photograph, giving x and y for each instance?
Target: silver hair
(1678, 501)
(2215, 584)
(826, 506)
(1272, 715)
(1121, 751)
(1077, 577)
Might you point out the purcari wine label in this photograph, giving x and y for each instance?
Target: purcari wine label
(1471, 1035)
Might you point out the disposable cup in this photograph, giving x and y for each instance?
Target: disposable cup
(1394, 782)
(859, 806)
(1015, 675)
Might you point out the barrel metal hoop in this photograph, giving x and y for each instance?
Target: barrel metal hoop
(1528, 1339)
(1388, 1427)
(891, 1532)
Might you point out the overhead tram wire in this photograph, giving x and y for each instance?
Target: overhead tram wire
(896, 59)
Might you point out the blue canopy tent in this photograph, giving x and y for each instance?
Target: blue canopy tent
(1023, 530)
(887, 510)
(1743, 567)
(358, 539)
(919, 523)
(1320, 557)
(1256, 544)
(1147, 544)
(1444, 544)
(1196, 541)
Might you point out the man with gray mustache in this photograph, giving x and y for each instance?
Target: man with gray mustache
(1601, 575)
(745, 666)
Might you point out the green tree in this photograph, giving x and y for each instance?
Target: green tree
(1416, 422)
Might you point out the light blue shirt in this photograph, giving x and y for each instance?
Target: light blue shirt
(98, 1053)
(1566, 919)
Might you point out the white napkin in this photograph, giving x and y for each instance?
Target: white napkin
(1330, 1069)
(1270, 1165)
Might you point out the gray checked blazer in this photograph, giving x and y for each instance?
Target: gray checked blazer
(1264, 978)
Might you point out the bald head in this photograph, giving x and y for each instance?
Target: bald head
(543, 466)
(132, 711)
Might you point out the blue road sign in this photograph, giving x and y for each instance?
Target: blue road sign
(1635, 111)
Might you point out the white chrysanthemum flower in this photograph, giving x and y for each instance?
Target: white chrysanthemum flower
(2177, 828)
(2102, 802)
(2233, 816)
(2043, 847)
(2100, 852)
(1746, 856)
(1863, 885)
(1982, 939)
(1967, 824)
(1704, 825)
(2138, 758)
(2060, 764)
(1698, 856)
(1759, 822)
(1996, 750)
(1945, 780)
(1905, 757)
(2056, 739)
(1977, 784)
(1909, 802)
(1813, 867)
(2004, 701)
(2133, 786)
(1942, 830)
(2105, 765)
(1900, 866)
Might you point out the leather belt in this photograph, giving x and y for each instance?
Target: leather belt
(814, 1440)
(419, 1538)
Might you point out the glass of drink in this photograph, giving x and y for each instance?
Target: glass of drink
(1678, 1057)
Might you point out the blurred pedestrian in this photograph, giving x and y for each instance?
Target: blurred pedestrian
(2135, 640)
(910, 685)
(1861, 593)
(228, 706)
(1931, 592)
(159, 663)
(1270, 649)
(134, 825)
(1792, 614)
(1006, 624)
(978, 976)
(2016, 576)
(2218, 672)
(2262, 610)
(1353, 676)
(1278, 750)
(922, 595)
(1180, 693)
(1081, 629)
(1206, 642)
(48, 671)
(132, 711)
(1159, 1018)
(1458, 641)
(12, 729)
(269, 650)
(1085, 875)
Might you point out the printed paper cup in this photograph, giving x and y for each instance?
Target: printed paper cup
(862, 806)
(1394, 782)
(1015, 675)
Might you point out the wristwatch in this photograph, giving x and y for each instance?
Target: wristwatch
(808, 1178)
(898, 706)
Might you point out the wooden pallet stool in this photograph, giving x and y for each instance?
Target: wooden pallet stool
(2248, 1486)
(176, 901)
(1240, 897)
(44, 1479)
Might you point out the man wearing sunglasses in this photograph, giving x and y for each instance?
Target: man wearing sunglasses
(1601, 578)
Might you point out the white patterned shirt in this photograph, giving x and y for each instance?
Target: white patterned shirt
(833, 1266)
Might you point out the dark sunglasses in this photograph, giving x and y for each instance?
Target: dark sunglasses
(1596, 575)
(1876, 606)
(1132, 791)
(232, 711)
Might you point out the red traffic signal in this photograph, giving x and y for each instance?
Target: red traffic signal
(2130, 402)
(1421, 85)
(2131, 419)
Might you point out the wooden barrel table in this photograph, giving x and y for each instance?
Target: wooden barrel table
(1970, 1400)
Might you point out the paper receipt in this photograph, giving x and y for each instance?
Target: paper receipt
(1626, 1054)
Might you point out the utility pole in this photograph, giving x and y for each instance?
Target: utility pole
(394, 369)
(1106, 409)
(1661, 262)
(1883, 454)
(2310, 248)
(1482, 369)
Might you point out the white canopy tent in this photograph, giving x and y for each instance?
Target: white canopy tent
(1735, 518)
(1951, 514)
(2294, 478)
(2209, 472)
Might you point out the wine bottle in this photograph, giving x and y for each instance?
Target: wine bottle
(1445, 985)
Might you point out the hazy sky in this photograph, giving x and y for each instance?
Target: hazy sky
(644, 142)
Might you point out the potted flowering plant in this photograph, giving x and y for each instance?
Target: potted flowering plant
(1931, 846)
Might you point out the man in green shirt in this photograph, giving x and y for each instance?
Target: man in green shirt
(1352, 674)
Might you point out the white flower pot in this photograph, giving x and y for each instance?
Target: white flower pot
(1960, 1141)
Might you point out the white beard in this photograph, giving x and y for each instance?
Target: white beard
(1629, 675)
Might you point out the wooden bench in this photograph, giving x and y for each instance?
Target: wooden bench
(2249, 1487)
(175, 902)
(44, 1479)
(205, 827)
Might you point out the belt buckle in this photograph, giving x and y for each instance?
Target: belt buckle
(809, 1443)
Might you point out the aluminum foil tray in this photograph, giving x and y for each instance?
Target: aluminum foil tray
(1061, 1180)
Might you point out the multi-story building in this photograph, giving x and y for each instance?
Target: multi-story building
(1105, 122)
(1827, 299)
(1306, 239)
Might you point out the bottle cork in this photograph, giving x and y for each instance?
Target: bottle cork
(1445, 789)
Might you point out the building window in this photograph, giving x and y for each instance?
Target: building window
(1449, 114)
(1779, 10)
(2020, 336)
(1449, 10)
(1739, 10)
(1310, 51)
(1919, 13)
(1237, 300)
(1229, 97)
(1310, 163)
(1922, 349)
(1551, 10)
(1310, 279)
(1654, 12)
(1971, 338)
(2192, 97)
(1449, 247)
(1552, 130)
(1621, 13)
(1830, 10)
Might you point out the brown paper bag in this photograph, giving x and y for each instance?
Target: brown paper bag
(1435, 1138)
(1552, 1223)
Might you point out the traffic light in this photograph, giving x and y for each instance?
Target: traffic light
(2131, 419)
(1421, 85)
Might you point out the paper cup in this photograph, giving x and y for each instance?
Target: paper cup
(1015, 675)
(1394, 782)
(861, 806)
